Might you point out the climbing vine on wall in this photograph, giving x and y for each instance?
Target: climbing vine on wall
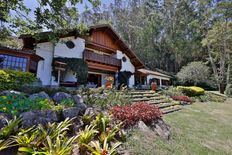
(77, 65)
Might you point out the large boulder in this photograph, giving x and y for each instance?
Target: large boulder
(71, 112)
(41, 95)
(4, 118)
(142, 126)
(161, 128)
(9, 92)
(38, 117)
(79, 102)
(60, 96)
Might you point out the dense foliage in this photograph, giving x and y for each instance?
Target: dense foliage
(192, 90)
(182, 98)
(195, 73)
(16, 104)
(131, 114)
(78, 66)
(106, 98)
(11, 79)
(101, 136)
(51, 15)
(228, 91)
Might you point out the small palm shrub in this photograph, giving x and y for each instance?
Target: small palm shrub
(131, 114)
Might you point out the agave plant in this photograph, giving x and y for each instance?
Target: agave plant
(26, 137)
(49, 140)
(10, 128)
(86, 136)
(101, 122)
(4, 144)
(61, 145)
(97, 149)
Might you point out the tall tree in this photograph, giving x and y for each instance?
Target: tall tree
(49, 15)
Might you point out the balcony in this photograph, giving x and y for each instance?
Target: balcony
(103, 59)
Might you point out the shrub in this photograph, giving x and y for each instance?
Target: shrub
(228, 90)
(49, 90)
(182, 98)
(192, 90)
(11, 79)
(16, 104)
(172, 91)
(106, 98)
(194, 73)
(131, 114)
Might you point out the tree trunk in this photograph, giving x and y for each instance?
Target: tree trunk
(221, 88)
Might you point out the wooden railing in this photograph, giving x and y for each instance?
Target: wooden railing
(104, 59)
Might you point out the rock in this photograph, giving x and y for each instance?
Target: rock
(161, 128)
(60, 96)
(4, 118)
(92, 111)
(41, 95)
(78, 125)
(80, 103)
(78, 99)
(71, 112)
(142, 126)
(9, 92)
(38, 117)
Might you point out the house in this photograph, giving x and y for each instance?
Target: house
(24, 60)
(104, 51)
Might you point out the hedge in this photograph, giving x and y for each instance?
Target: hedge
(11, 79)
(192, 90)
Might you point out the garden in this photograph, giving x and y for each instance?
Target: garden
(61, 121)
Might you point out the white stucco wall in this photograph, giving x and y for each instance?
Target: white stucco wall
(157, 77)
(44, 70)
(127, 66)
(61, 50)
(47, 50)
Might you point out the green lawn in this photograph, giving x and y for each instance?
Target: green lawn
(198, 129)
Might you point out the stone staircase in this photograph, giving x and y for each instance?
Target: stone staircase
(166, 104)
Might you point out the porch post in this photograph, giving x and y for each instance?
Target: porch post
(160, 82)
(58, 78)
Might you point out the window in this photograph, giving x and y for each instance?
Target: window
(13, 62)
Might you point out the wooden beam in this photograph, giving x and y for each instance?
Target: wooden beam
(103, 67)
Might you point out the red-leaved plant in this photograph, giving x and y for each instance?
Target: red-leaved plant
(131, 114)
(182, 98)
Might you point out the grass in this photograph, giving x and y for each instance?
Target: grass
(198, 129)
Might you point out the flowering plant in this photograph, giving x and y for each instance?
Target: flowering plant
(182, 98)
(131, 114)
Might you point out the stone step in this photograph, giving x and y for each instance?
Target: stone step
(144, 95)
(142, 92)
(150, 98)
(171, 108)
(159, 101)
(165, 105)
